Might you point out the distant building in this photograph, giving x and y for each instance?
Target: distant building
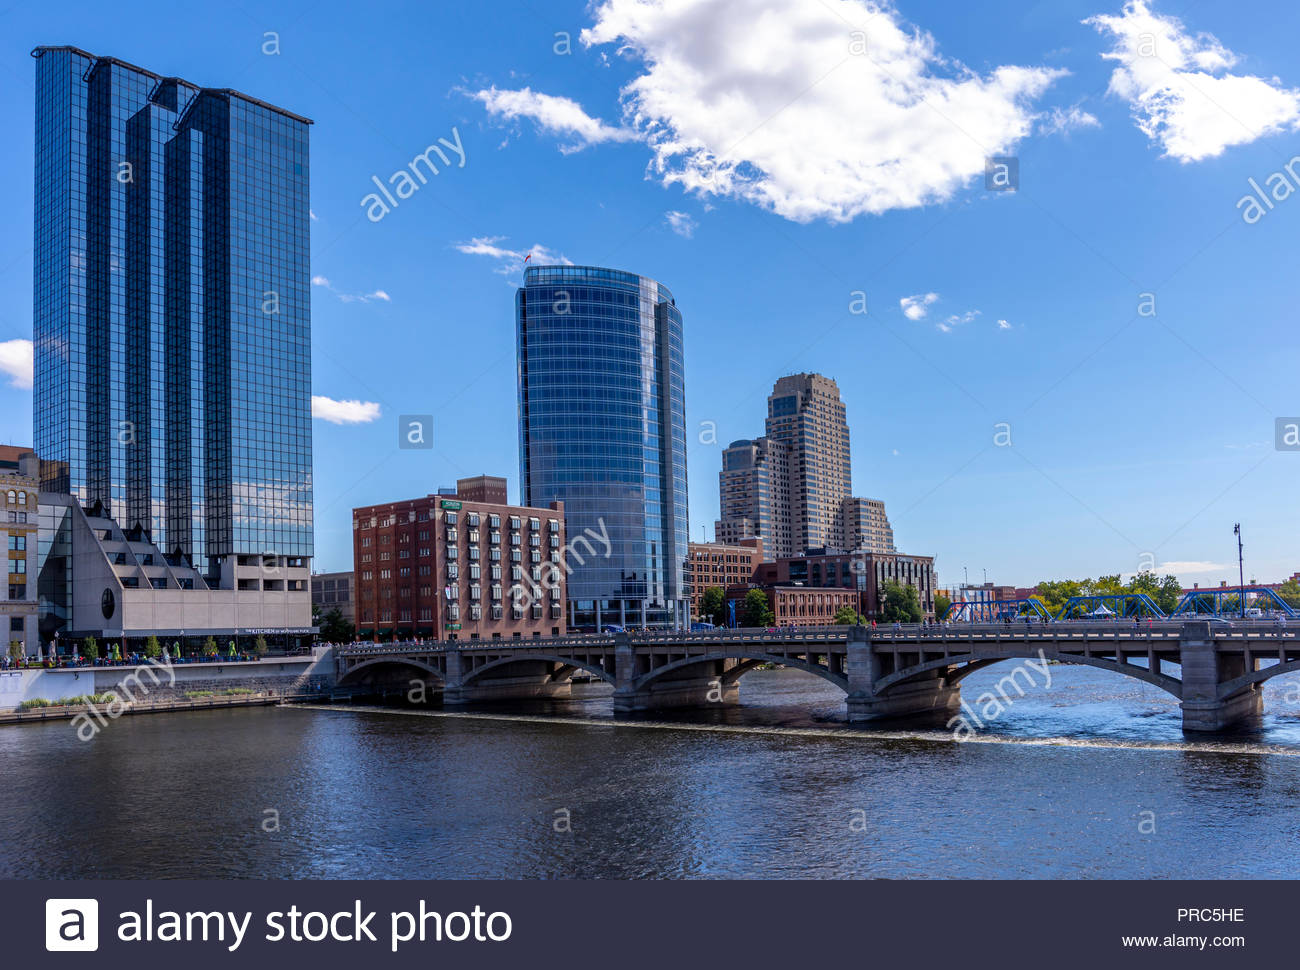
(796, 605)
(865, 573)
(460, 566)
(333, 591)
(866, 527)
(602, 428)
(1224, 584)
(754, 495)
(791, 488)
(719, 564)
(805, 413)
(172, 332)
(19, 482)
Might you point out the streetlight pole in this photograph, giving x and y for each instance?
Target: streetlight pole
(1241, 570)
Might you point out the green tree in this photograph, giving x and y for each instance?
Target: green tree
(941, 606)
(1054, 592)
(335, 628)
(1171, 591)
(259, 646)
(152, 648)
(755, 610)
(901, 603)
(1105, 586)
(90, 649)
(845, 616)
(1290, 592)
(713, 605)
(15, 650)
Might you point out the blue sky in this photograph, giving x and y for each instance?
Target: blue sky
(770, 161)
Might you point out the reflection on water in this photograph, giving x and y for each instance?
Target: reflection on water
(1056, 787)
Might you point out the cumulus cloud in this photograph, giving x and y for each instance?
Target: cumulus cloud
(916, 307)
(16, 362)
(370, 297)
(510, 262)
(1003, 325)
(554, 115)
(680, 223)
(1180, 91)
(343, 412)
(826, 110)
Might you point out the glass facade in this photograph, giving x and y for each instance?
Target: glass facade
(172, 308)
(602, 428)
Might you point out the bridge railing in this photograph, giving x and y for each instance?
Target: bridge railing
(1061, 630)
(368, 648)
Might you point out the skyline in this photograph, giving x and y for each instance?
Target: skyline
(1058, 508)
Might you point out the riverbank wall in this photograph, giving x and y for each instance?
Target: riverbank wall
(174, 685)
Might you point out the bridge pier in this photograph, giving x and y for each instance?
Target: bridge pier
(1204, 670)
(526, 679)
(927, 695)
(686, 692)
(687, 688)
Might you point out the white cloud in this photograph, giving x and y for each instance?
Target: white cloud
(380, 295)
(312, 214)
(1003, 325)
(826, 110)
(343, 412)
(916, 307)
(1059, 121)
(956, 320)
(680, 223)
(554, 115)
(16, 361)
(511, 261)
(1191, 566)
(1180, 91)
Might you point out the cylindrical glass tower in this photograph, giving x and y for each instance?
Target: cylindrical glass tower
(602, 428)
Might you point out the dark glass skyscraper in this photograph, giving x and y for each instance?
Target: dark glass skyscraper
(602, 427)
(172, 308)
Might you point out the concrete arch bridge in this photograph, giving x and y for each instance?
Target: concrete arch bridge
(1214, 668)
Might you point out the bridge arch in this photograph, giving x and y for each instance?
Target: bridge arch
(572, 662)
(1235, 686)
(395, 662)
(968, 664)
(749, 660)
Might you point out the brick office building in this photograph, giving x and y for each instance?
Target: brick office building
(865, 573)
(719, 564)
(796, 605)
(460, 565)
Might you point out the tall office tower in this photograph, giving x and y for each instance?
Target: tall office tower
(173, 317)
(602, 428)
(754, 495)
(866, 527)
(805, 413)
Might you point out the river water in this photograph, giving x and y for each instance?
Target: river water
(1090, 777)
